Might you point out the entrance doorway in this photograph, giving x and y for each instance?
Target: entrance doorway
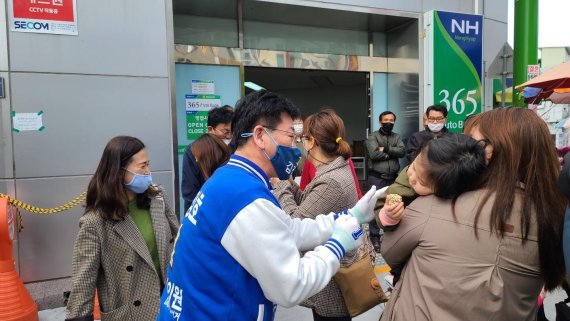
(346, 92)
(311, 90)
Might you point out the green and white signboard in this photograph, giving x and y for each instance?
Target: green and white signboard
(453, 68)
(197, 108)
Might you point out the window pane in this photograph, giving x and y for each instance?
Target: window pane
(283, 37)
(379, 44)
(209, 31)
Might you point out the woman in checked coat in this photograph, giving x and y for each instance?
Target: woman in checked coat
(125, 239)
(332, 190)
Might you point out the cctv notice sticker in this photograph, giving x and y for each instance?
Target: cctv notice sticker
(44, 16)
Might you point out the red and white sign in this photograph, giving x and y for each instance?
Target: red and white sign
(532, 71)
(45, 16)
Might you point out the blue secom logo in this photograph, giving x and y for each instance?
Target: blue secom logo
(28, 25)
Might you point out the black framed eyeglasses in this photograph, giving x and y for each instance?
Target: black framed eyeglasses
(436, 119)
(289, 133)
(225, 133)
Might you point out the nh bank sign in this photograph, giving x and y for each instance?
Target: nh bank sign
(464, 26)
(44, 16)
(453, 68)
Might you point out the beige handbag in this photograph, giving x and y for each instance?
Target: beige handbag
(359, 286)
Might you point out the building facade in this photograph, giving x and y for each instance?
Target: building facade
(129, 71)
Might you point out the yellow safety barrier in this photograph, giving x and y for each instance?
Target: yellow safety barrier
(38, 210)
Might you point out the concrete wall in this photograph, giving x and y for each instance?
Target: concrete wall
(411, 6)
(553, 56)
(495, 16)
(111, 79)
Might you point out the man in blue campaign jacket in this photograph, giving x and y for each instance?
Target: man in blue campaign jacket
(237, 252)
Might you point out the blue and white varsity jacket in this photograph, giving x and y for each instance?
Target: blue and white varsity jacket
(237, 252)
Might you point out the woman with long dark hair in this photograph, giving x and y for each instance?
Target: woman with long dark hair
(487, 254)
(125, 238)
(210, 153)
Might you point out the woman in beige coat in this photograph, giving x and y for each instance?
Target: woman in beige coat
(486, 254)
(332, 190)
(125, 239)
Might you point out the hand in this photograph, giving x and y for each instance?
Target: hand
(363, 211)
(394, 211)
(346, 236)
(381, 149)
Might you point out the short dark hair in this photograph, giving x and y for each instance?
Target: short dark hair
(220, 115)
(386, 113)
(438, 108)
(455, 164)
(260, 107)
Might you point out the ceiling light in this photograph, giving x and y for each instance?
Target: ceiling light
(252, 85)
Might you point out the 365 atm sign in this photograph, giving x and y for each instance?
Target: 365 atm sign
(45, 16)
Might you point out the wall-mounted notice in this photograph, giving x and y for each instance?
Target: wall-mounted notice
(532, 71)
(27, 121)
(197, 107)
(45, 16)
(203, 87)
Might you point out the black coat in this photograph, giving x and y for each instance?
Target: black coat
(417, 139)
(192, 178)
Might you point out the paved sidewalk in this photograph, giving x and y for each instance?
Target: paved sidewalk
(283, 314)
(303, 314)
(299, 313)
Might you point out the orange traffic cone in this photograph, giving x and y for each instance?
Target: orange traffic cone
(16, 304)
(96, 309)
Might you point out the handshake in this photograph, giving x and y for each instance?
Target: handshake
(347, 233)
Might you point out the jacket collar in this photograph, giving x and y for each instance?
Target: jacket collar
(129, 231)
(381, 132)
(336, 163)
(250, 167)
(160, 227)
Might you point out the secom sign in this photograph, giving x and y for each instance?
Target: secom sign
(29, 25)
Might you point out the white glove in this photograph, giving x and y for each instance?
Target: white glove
(346, 236)
(363, 211)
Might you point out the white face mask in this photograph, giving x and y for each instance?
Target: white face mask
(298, 129)
(227, 141)
(436, 128)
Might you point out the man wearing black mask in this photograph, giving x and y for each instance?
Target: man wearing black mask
(384, 149)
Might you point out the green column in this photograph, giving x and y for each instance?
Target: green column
(526, 42)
